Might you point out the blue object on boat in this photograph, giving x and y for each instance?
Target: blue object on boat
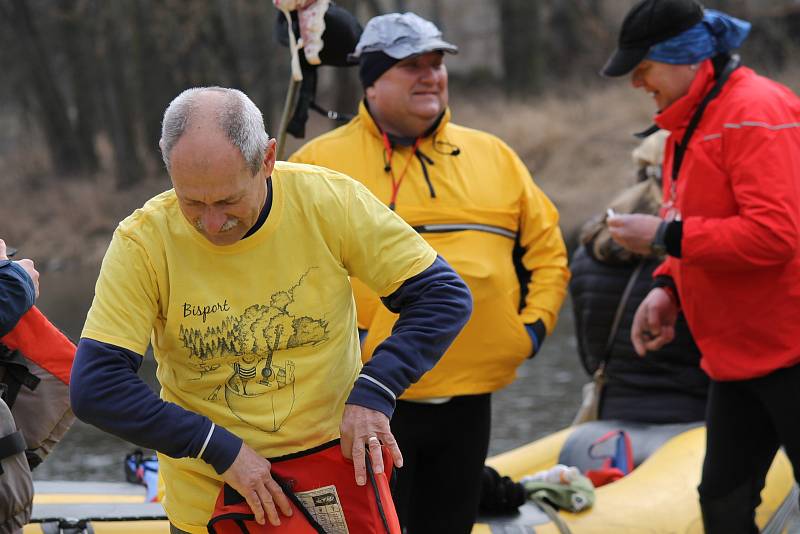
(141, 469)
(622, 455)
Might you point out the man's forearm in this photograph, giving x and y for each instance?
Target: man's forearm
(106, 392)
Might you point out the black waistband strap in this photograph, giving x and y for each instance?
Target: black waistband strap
(10, 445)
(17, 374)
(306, 452)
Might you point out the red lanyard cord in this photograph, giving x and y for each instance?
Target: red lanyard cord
(397, 181)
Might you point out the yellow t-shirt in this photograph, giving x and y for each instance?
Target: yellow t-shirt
(259, 336)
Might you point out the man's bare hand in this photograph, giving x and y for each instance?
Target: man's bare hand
(654, 322)
(32, 272)
(634, 232)
(364, 429)
(250, 476)
(25, 264)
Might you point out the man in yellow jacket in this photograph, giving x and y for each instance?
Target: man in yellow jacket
(471, 197)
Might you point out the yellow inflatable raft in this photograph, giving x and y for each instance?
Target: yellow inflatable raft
(658, 496)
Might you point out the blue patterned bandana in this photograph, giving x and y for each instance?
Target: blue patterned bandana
(715, 34)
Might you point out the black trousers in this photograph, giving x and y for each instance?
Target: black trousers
(747, 422)
(444, 447)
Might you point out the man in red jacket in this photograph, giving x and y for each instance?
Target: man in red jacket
(730, 225)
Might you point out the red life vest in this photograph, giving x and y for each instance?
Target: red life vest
(321, 487)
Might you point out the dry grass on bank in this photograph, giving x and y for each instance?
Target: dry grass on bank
(578, 150)
(62, 223)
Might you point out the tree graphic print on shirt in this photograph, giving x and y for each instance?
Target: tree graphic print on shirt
(248, 344)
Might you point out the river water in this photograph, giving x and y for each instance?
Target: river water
(543, 399)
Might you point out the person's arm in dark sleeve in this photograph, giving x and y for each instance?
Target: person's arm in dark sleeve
(106, 392)
(433, 306)
(17, 295)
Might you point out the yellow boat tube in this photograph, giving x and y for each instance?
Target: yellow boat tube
(99, 507)
(658, 496)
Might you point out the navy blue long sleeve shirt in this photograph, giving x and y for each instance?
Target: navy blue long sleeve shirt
(106, 391)
(17, 294)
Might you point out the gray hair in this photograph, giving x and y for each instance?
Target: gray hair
(238, 118)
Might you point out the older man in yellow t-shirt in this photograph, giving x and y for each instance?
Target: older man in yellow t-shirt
(239, 279)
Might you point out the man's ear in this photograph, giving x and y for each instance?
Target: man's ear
(161, 148)
(269, 157)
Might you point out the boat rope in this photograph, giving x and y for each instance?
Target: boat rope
(552, 513)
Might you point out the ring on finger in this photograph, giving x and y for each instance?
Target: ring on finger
(373, 439)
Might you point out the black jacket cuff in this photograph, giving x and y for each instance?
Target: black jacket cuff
(673, 237)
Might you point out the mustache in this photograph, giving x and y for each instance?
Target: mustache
(228, 225)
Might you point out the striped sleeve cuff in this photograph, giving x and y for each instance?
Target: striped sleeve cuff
(220, 448)
(371, 393)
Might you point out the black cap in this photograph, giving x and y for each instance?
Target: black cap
(373, 65)
(650, 22)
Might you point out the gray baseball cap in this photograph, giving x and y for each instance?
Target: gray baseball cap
(401, 36)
